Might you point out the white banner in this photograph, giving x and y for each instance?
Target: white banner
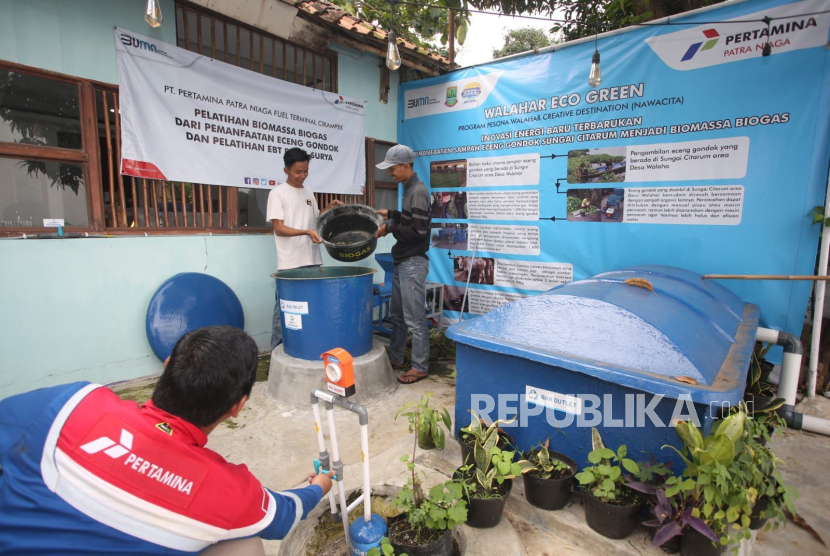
(187, 117)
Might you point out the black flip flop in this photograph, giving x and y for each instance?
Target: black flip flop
(414, 378)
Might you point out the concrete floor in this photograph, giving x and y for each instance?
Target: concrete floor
(278, 446)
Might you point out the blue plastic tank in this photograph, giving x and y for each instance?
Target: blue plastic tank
(325, 307)
(187, 302)
(648, 357)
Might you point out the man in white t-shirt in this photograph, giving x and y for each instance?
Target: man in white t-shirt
(293, 211)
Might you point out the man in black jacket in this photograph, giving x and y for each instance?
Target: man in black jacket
(410, 226)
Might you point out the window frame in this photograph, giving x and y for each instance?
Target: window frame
(371, 182)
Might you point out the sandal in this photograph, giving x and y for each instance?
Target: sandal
(411, 378)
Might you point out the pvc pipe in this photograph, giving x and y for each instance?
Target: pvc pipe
(367, 485)
(324, 457)
(767, 336)
(788, 383)
(815, 424)
(335, 453)
(356, 503)
(818, 300)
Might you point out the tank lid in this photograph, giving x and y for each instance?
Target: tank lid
(687, 336)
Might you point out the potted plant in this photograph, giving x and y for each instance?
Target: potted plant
(487, 480)
(477, 432)
(427, 422)
(652, 481)
(611, 507)
(713, 495)
(548, 478)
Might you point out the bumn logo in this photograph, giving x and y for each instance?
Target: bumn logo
(710, 34)
(127, 40)
(109, 446)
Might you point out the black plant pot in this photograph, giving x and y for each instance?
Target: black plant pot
(425, 441)
(695, 544)
(610, 520)
(671, 546)
(756, 521)
(550, 494)
(439, 547)
(483, 513)
(466, 452)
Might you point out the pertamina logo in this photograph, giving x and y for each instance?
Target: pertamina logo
(786, 28)
(710, 34)
(135, 462)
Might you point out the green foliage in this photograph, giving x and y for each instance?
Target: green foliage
(818, 216)
(543, 466)
(575, 161)
(584, 17)
(385, 549)
(490, 463)
(522, 40)
(416, 24)
(426, 420)
(605, 478)
(442, 508)
(754, 384)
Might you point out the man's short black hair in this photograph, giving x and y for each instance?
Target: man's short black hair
(209, 371)
(294, 155)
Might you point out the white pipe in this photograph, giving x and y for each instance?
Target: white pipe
(767, 335)
(341, 490)
(815, 424)
(321, 445)
(356, 503)
(788, 383)
(818, 300)
(367, 485)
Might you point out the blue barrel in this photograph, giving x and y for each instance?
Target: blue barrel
(325, 307)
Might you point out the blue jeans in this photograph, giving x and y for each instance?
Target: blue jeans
(407, 309)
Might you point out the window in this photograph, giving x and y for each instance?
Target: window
(43, 167)
(381, 192)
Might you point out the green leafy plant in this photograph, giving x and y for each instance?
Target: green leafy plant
(426, 421)
(715, 496)
(543, 466)
(818, 216)
(604, 478)
(479, 432)
(754, 383)
(385, 549)
(429, 515)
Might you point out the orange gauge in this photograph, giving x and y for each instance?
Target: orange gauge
(339, 372)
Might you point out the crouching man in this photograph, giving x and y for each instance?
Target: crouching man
(84, 472)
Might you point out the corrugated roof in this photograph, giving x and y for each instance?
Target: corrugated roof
(363, 31)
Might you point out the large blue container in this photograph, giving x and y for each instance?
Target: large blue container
(689, 339)
(325, 307)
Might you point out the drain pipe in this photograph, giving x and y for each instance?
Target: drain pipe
(818, 300)
(788, 384)
(325, 461)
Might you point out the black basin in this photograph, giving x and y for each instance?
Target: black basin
(348, 232)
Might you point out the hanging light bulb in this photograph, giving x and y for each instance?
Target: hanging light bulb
(767, 47)
(393, 57)
(152, 14)
(595, 76)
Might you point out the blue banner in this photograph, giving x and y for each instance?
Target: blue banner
(694, 151)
